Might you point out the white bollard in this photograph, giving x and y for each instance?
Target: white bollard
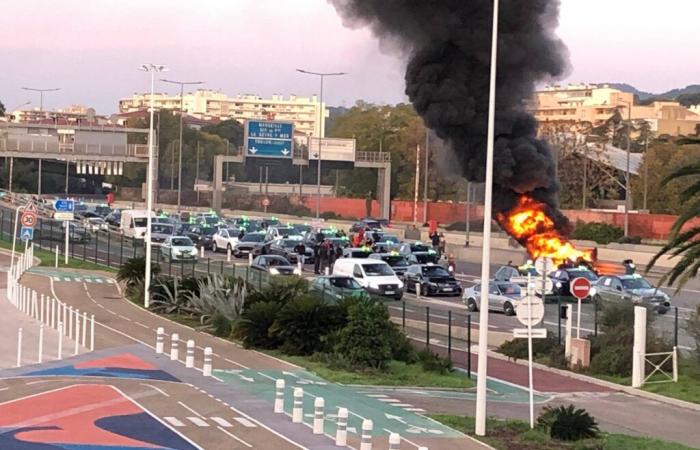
(206, 368)
(40, 358)
(327, 271)
(279, 396)
(417, 290)
(300, 267)
(70, 322)
(60, 341)
(250, 258)
(35, 306)
(57, 252)
(77, 334)
(201, 251)
(394, 441)
(228, 254)
(298, 408)
(19, 347)
(639, 348)
(159, 340)
(84, 336)
(92, 332)
(53, 313)
(319, 404)
(41, 309)
(64, 307)
(174, 343)
(189, 357)
(366, 441)
(341, 433)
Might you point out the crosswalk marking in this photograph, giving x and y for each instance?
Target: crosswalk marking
(389, 400)
(174, 422)
(88, 279)
(221, 421)
(377, 395)
(197, 421)
(245, 422)
(415, 409)
(403, 405)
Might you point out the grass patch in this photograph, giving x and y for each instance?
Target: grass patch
(48, 259)
(187, 321)
(398, 374)
(517, 435)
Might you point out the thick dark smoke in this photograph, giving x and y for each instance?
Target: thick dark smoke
(447, 79)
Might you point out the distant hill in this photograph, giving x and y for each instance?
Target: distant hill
(644, 96)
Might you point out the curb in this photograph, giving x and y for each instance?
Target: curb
(607, 384)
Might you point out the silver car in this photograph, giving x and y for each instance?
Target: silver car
(503, 296)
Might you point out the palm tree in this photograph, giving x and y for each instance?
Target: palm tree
(683, 243)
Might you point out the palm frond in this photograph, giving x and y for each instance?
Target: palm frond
(690, 192)
(690, 169)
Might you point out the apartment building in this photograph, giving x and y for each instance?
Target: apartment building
(208, 104)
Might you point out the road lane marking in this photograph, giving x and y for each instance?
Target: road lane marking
(245, 422)
(235, 437)
(174, 422)
(156, 389)
(190, 410)
(389, 400)
(221, 421)
(377, 395)
(199, 422)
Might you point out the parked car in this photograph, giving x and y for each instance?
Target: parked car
(376, 276)
(357, 252)
(519, 276)
(366, 224)
(386, 242)
(224, 239)
(562, 278)
(335, 287)
(433, 280)
(95, 224)
(114, 220)
(409, 247)
(429, 257)
(398, 262)
(279, 232)
(631, 288)
(179, 248)
(250, 243)
(160, 232)
(286, 247)
(200, 236)
(274, 265)
(56, 231)
(503, 296)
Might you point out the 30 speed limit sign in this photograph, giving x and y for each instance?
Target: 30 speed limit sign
(28, 219)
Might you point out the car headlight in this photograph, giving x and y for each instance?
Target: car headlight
(274, 271)
(557, 284)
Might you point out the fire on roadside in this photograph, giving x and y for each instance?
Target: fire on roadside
(530, 225)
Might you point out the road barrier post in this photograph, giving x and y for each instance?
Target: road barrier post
(59, 352)
(159, 340)
(201, 251)
(42, 300)
(319, 404)
(298, 407)
(427, 326)
(394, 441)
(41, 343)
(92, 332)
(341, 433)
(469, 346)
(55, 264)
(250, 258)
(418, 291)
(675, 328)
(366, 440)
(228, 254)
(64, 316)
(675, 364)
(279, 396)
(19, 347)
(639, 347)
(206, 368)
(77, 334)
(403, 314)
(84, 335)
(189, 357)
(53, 312)
(449, 335)
(174, 342)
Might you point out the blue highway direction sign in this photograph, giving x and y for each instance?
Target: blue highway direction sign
(64, 205)
(269, 139)
(27, 233)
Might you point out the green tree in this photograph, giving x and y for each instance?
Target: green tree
(2, 109)
(684, 241)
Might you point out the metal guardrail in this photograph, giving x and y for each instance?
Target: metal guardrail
(50, 145)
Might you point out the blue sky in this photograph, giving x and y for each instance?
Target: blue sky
(91, 49)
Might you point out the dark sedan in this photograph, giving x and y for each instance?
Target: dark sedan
(201, 236)
(562, 279)
(250, 243)
(433, 280)
(287, 249)
(274, 265)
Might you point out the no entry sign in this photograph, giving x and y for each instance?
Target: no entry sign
(580, 288)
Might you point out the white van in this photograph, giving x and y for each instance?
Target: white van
(376, 276)
(134, 221)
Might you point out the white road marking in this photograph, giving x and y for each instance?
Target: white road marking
(377, 395)
(190, 409)
(221, 421)
(415, 409)
(245, 422)
(403, 405)
(156, 388)
(236, 437)
(174, 422)
(199, 422)
(389, 400)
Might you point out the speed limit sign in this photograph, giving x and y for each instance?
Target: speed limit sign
(28, 219)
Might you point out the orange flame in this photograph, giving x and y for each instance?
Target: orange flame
(530, 225)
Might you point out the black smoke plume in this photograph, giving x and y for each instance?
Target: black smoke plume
(448, 43)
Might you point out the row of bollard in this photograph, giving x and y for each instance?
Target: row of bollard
(189, 351)
(341, 433)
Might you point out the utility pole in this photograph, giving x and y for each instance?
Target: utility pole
(182, 85)
(425, 181)
(38, 188)
(415, 196)
(41, 94)
(628, 189)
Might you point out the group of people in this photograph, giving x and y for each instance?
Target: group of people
(325, 253)
(439, 243)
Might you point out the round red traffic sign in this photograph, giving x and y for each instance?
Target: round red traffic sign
(266, 202)
(580, 288)
(28, 219)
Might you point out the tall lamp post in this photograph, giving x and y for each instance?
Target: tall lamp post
(41, 94)
(152, 68)
(628, 197)
(480, 428)
(182, 85)
(321, 112)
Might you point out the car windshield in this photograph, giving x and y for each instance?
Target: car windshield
(419, 248)
(289, 243)
(582, 274)
(345, 283)
(424, 258)
(396, 261)
(182, 242)
(140, 222)
(161, 228)
(636, 283)
(509, 289)
(253, 238)
(211, 220)
(208, 231)
(373, 225)
(435, 271)
(506, 273)
(377, 270)
(277, 262)
(390, 238)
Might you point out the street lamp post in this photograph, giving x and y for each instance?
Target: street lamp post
(321, 113)
(41, 94)
(152, 68)
(182, 113)
(627, 170)
(480, 428)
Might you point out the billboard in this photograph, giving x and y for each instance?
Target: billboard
(332, 149)
(268, 139)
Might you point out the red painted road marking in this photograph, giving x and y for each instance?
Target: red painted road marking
(123, 361)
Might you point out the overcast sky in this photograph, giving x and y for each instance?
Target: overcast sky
(91, 49)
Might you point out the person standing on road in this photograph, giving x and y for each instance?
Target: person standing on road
(300, 250)
(442, 246)
(435, 240)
